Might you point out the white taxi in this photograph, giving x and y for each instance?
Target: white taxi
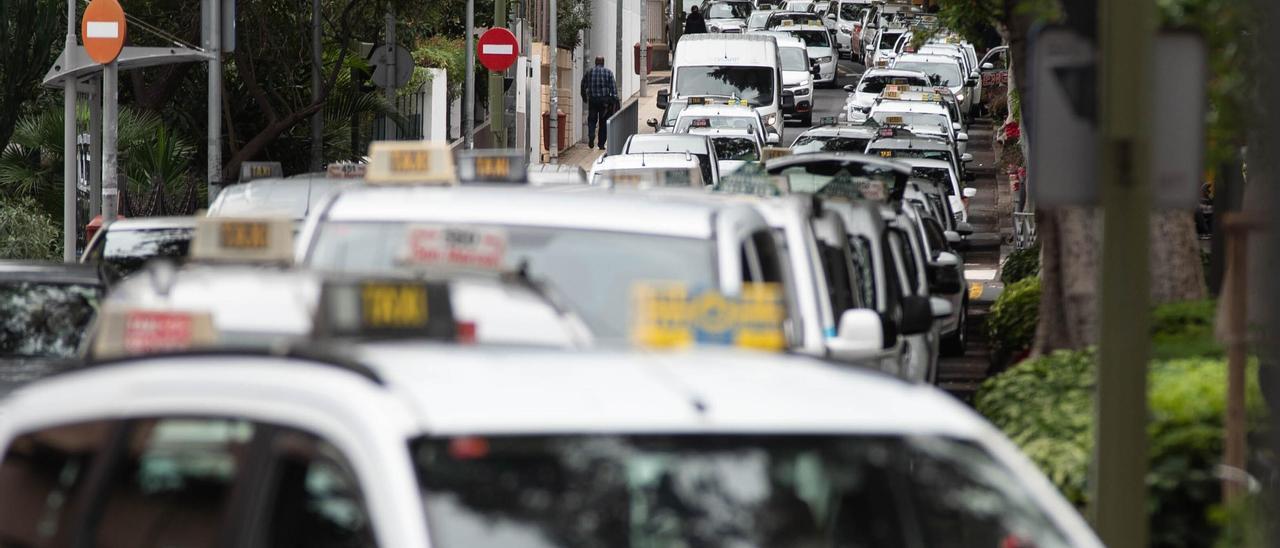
(470, 447)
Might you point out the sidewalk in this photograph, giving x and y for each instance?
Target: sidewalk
(582, 156)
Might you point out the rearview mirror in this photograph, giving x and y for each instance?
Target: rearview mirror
(664, 99)
(772, 137)
(917, 315)
(971, 82)
(988, 66)
(969, 192)
(652, 122)
(861, 334)
(966, 157)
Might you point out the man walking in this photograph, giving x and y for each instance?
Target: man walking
(601, 93)
(695, 23)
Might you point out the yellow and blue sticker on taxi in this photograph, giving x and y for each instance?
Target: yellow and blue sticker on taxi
(671, 315)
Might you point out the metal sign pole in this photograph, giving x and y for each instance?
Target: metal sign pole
(388, 125)
(317, 119)
(553, 51)
(69, 158)
(213, 45)
(644, 48)
(469, 90)
(95, 149)
(110, 119)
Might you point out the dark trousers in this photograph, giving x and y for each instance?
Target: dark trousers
(598, 112)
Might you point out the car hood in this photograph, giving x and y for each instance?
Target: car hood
(723, 24)
(792, 78)
(729, 166)
(820, 51)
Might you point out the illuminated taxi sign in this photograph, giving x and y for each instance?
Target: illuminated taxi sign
(491, 166)
(894, 88)
(882, 63)
(385, 308)
(410, 162)
(697, 100)
(232, 239)
(126, 331)
(894, 120)
(886, 153)
(700, 122)
(259, 170)
(670, 315)
(345, 170)
(892, 95)
(786, 23)
(769, 153)
(443, 247)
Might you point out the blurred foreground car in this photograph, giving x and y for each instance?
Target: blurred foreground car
(456, 447)
(126, 245)
(45, 309)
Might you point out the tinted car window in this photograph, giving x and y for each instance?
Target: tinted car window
(317, 500)
(126, 251)
(43, 477)
(45, 320)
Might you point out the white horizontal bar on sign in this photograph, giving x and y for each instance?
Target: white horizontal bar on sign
(497, 49)
(102, 29)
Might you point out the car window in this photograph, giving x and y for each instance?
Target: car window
(43, 479)
(942, 74)
(837, 270)
(316, 499)
(727, 11)
(126, 251)
(903, 251)
(741, 149)
(934, 233)
(795, 59)
(45, 320)
(813, 38)
(829, 143)
(863, 269)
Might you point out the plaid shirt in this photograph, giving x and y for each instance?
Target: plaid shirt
(598, 82)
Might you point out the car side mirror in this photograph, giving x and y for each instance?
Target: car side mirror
(772, 137)
(944, 274)
(955, 126)
(860, 334)
(988, 66)
(962, 136)
(953, 237)
(815, 70)
(940, 307)
(788, 99)
(851, 88)
(969, 192)
(831, 15)
(652, 122)
(964, 228)
(966, 157)
(917, 315)
(971, 82)
(664, 99)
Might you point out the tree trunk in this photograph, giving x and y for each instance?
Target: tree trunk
(1177, 272)
(1070, 259)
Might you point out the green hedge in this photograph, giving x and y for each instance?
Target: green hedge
(1011, 324)
(1020, 265)
(27, 233)
(1184, 330)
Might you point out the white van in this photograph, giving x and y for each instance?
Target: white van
(744, 67)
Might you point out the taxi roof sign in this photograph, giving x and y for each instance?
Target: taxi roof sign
(345, 170)
(769, 153)
(491, 166)
(243, 239)
(250, 171)
(124, 331)
(385, 308)
(410, 162)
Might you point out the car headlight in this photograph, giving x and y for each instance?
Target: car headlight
(826, 59)
(770, 119)
(959, 96)
(801, 91)
(714, 28)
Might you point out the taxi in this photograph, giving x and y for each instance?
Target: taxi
(290, 197)
(693, 144)
(712, 115)
(931, 159)
(491, 447)
(909, 255)
(873, 81)
(937, 95)
(595, 246)
(45, 309)
(734, 148)
(944, 268)
(649, 169)
(821, 49)
(920, 118)
(125, 246)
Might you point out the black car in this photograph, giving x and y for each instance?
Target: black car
(45, 311)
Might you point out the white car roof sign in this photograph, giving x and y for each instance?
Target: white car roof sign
(410, 162)
(243, 240)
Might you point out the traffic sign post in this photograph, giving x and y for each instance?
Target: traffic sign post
(497, 49)
(103, 29)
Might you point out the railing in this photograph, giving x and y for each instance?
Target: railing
(1024, 229)
(623, 124)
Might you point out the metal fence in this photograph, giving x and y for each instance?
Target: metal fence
(623, 124)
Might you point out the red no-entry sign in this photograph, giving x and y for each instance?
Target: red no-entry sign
(497, 49)
(103, 29)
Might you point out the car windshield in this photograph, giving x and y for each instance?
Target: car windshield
(796, 19)
(752, 84)
(799, 6)
(758, 19)
(814, 175)
(594, 270)
(876, 84)
(942, 74)
(813, 38)
(929, 154)
(721, 490)
(918, 122)
(829, 143)
(794, 59)
(716, 122)
(940, 176)
(728, 11)
(889, 39)
(45, 319)
(850, 11)
(737, 148)
(127, 251)
(673, 113)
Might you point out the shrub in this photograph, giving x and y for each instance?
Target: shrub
(27, 233)
(1011, 324)
(1045, 405)
(1184, 329)
(1021, 264)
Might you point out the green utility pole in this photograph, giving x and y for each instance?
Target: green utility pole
(1126, 36)
(497, 95)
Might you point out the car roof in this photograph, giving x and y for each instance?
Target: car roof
(693, 111)
(294, 196)
(925, 162)
(841, 130)
(524, 207)
(458, 390)
(645, 159)
(49, 272)
(801, 159)
(923, 58)
(893, 72)
(674, 142)
(152, 223)
(918, 141)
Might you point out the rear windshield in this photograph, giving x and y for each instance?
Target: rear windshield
(828, 143)
(728, 11)
(793, 59)
(43, 319)
(889, 39)
(876, 84)
(722, 491)
(813, 38)
(127, 251)
(742, 149)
